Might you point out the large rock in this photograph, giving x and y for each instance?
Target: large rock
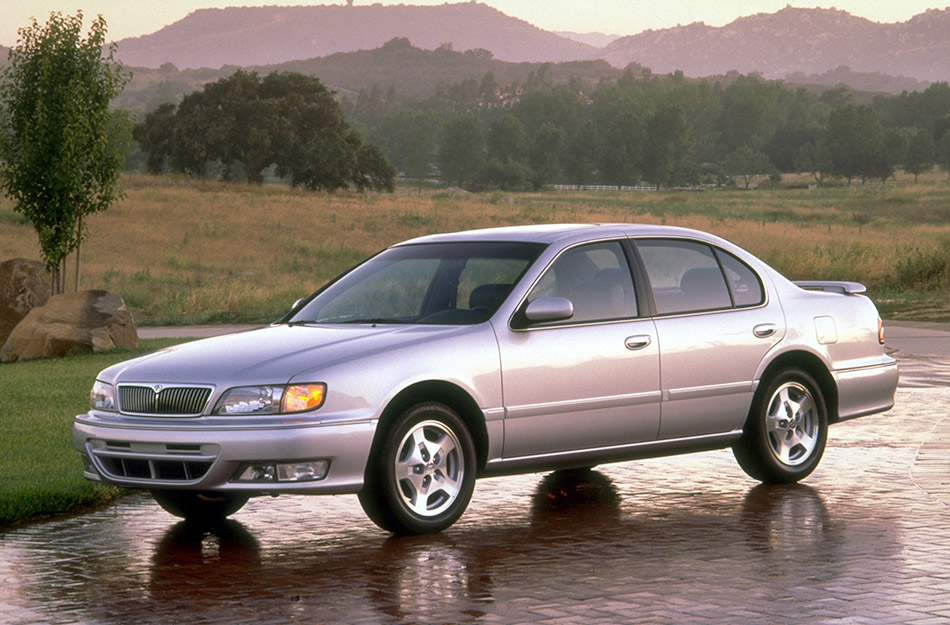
(24, 285)
(72, 323)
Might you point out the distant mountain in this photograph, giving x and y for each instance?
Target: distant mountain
(411, 71)
(415, 72)
(598, 40)
(812, 41)
(247, 36)
(868, 82)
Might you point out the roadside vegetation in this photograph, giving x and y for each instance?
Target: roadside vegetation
(182, 251)
(40, 473)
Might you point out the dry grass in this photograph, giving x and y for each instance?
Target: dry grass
(183, 251)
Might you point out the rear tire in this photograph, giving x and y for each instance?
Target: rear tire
(197, 506)
(785, 434)
(422, 479)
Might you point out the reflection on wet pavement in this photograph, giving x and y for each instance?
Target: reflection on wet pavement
(676, 540)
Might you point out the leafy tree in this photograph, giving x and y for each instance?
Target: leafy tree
(812, 158)
(943, 153)
(622, 151)
(746, 163)
(60, 150)
(507, 175)
(583, 153)
(752, 111)
(852, 141)
(666, 158)
(418, 162)
(544, 156)
(786, 144)
(560, 107)
(920, 153)
(373, 171)
(247, 123)
(507, 140)
(406, 130)
(461, 150)
(891, 152)
(156, 132)
(507, 167)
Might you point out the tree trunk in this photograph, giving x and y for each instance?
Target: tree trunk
(78, 248)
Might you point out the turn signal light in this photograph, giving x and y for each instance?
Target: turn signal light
(301, 397)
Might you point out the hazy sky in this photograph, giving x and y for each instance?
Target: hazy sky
(131, 18)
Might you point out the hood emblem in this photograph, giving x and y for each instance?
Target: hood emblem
(157, 388)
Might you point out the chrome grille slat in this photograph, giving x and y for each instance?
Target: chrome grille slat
(171, 401)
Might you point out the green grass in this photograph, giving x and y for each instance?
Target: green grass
(40, 473)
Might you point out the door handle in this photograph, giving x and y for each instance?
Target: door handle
(764, 330)
(639, 341)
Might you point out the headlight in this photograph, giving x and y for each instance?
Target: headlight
(102, 397)
(267, 400)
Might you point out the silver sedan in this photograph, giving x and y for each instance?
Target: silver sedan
(493, 352)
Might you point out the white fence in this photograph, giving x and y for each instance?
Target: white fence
(601, 187)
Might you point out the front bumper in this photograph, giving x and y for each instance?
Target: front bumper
(154, 454)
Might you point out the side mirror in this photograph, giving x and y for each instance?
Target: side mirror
(297, 303)
(545, 309)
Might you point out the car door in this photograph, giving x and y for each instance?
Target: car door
(586, 382)
(715, 324)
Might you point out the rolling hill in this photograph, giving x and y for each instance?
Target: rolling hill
(811, 41)
(247, 36)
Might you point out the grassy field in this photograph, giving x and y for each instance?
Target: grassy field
(182, 251)
(40, 473)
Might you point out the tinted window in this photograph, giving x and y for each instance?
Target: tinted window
(596, 278)
(685, 276)
(454, 284)
(743, 282)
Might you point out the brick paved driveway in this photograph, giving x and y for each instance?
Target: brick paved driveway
(680, 540)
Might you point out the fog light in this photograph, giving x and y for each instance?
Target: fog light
(303, 471)
(88, 465)
(257, 473)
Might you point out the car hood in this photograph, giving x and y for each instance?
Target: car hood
(271, 355)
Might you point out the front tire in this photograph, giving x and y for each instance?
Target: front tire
(199, 507)
(785, 434)
(422, 479)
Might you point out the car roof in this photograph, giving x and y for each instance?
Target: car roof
(551, 233)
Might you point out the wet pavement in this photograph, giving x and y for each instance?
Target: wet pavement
(687, 539)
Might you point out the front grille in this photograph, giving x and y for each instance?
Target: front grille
(160, 470)
(144, 463)
(178, 401)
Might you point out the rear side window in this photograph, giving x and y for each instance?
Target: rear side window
(688, 276)
(743, 282)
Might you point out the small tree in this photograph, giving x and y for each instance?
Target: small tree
(746, 163)
(920, 153)
(852, 142)
(943, 153)
(60, 150)
(461, 150)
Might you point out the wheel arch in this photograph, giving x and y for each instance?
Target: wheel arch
(815, 367)
(442, 392)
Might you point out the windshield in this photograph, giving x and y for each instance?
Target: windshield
(434, 283)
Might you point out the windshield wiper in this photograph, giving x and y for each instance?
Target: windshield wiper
(347, 319)
(372, 320)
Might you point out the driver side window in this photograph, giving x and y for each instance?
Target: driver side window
(595, 278)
